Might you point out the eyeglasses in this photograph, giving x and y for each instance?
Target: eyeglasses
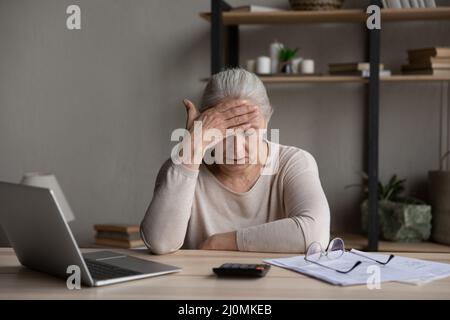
(334, 250)
(370, 258)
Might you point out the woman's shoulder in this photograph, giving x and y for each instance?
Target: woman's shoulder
(291, 157)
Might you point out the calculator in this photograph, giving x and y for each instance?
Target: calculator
(242, 270)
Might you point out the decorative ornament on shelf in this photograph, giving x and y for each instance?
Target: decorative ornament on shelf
(296, 65)
(307, 66)
(315, 5)
(285, 57)
(251, 65)
(263, 64)
(275, 48)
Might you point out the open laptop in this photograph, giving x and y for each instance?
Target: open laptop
(43, 241)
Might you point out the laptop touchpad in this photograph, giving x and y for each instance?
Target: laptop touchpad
(140, 265)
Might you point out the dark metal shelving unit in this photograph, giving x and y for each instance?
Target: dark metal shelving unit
(225, 53)
(373, 123)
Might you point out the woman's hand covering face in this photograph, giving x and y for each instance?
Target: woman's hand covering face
(227, 115)
(234, 114)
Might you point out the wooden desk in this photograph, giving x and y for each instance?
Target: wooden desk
(197, 281)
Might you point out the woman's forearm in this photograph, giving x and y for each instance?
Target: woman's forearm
(278, 236)
(164, 226)
(284, 235)
(221, 241)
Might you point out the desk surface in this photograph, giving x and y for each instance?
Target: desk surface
(197, 281)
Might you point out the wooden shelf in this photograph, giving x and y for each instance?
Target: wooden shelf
(359, 242)
(411, 78)
(346, 79)
(332, 16)
(311, 79)
(330, 78)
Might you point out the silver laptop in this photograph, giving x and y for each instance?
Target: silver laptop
(42, 240)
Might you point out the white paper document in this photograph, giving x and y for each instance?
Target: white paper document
(400, 269)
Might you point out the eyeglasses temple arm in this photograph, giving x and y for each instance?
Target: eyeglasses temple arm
(347, 271)
(380, 262)
(389, 259)
(330, 268)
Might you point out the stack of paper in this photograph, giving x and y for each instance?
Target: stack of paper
(400, 269)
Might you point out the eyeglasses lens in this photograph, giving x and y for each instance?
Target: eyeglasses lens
(314, 251)
(336, 249)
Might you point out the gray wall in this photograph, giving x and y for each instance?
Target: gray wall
(97, 106)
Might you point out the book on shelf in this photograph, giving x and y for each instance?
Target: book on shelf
(430, 72)
(118, 235)
(430, 3)
(350, 67)
(394, 4)
(426, 65)
(406, 4)
(117, 227)
(414, 3)
(119, 243)
(428, 61)
(424, 53)
(255, 8)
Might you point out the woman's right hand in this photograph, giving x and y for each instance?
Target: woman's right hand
(234, 114)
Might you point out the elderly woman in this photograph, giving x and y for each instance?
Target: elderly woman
(231, 205)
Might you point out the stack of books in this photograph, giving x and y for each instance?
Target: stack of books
(118, 235)
(428, 61)
(361, 69)
(405, 4)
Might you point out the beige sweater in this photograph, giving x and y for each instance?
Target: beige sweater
(283, 212)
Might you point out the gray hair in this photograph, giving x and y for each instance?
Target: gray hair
(236, 84)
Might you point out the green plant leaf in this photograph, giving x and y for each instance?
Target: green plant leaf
(287, 54)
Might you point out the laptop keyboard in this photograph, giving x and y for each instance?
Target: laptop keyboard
(103, 271)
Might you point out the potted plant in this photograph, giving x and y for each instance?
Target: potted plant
(401, 219)
(285, 57)
(439, 194)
